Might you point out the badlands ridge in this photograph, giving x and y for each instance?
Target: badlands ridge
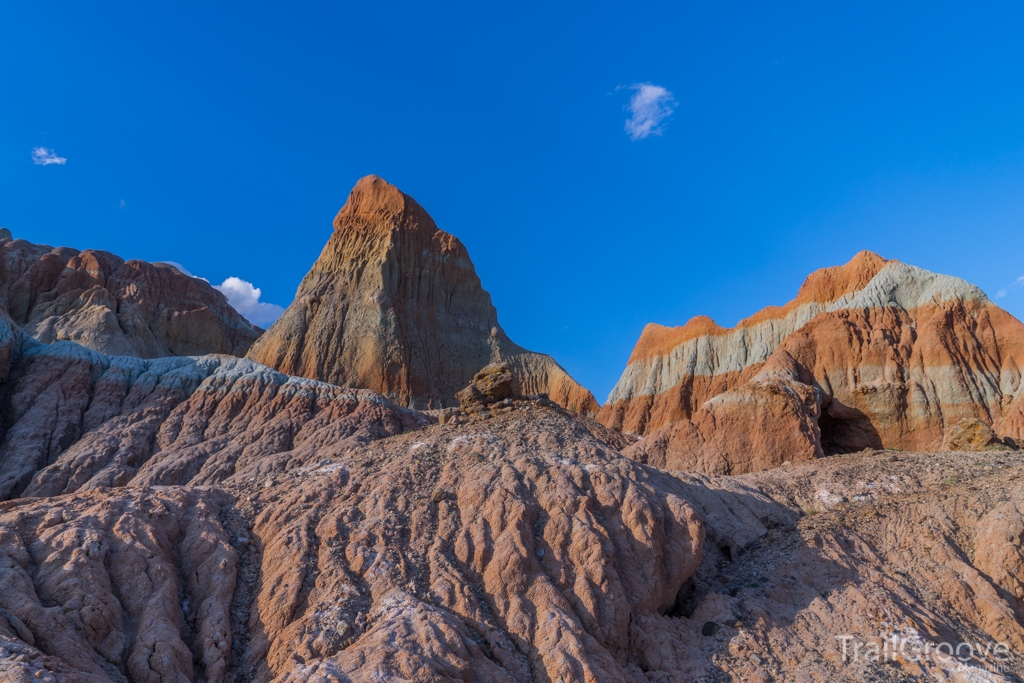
(188, 498)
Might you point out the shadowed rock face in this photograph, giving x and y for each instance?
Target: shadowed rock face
(872, 354)
(127, 308)
(394, 304)
(75, 419)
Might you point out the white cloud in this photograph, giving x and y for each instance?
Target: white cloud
(122, 205)
(44, 157)
(650, 105)
(1016, 284)
(246, 300)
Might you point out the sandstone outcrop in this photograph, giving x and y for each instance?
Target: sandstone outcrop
(672, 372)
(118, 307)
(882, 354)
(394, 304)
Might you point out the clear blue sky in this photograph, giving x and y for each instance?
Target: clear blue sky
(225, 136)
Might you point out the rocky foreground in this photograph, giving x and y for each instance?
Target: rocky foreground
(517, 544)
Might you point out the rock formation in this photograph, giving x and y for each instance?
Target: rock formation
(75, 419)
(871, 354)
(489, 386)
(394, 304)
(118, 307)
(211, 519)
(516, 548)
(673, 371)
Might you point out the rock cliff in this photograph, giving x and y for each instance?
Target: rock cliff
(129, 308)
(872, 354)
(394, 304)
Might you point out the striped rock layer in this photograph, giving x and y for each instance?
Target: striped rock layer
(394, 304)
(76, 419)
(874, 353)
(127, 308)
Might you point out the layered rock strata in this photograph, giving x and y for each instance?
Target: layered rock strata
(75, 419)
(894, 362)
(394, 304)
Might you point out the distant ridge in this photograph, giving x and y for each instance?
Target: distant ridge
(869, 354)
(118, 307)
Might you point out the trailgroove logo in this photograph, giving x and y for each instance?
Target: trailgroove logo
(915, 649)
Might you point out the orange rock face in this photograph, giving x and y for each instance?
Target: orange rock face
(125, 308)
(894, 359)
(394, 304)
(673, 371)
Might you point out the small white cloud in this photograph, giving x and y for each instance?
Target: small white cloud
(122, 205)
(649, 106)
(245, 299)
(44, 157)
(1016, 284)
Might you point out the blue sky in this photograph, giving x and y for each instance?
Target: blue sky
(226, 137)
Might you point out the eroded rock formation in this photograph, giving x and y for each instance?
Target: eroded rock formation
(76, 419)
(673, 371)
(394, 304)
(211, 519)
(872, 354)
(118, 307)
(519, 547)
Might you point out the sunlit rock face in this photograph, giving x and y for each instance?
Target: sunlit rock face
(394, 304)
(875, 353)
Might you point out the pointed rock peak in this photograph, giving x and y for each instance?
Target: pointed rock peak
(394, 304)
(375, 201)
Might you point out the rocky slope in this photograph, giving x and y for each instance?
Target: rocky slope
(673, 371)
(75, 419)
(520, 547)
(394, 304)
(872, 354)
(128, 308)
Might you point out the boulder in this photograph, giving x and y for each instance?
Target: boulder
(971, 434)
(489, 386)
